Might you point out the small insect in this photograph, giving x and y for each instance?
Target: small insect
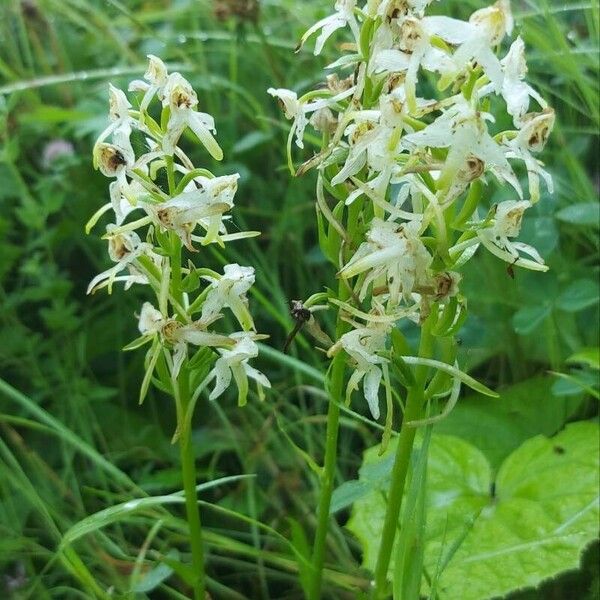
(301, 316)
(511, 269)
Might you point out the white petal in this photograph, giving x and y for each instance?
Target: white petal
(222, 375)
(371, 388)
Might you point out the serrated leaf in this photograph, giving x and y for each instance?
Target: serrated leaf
(542, 515)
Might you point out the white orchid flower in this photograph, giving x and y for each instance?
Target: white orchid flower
(371, 143)
(506, 224)
(363, 344)
(515, 91)
(177, 335)
(180, 97)
(532, 137)
(124, 249)
(343, 16)
(486, 28)
(234, 363)
(298, 111)
(229, 291)
(414, 50)
(121, 122)
(294, 110)
(464, 131)
(115, 161)
(156, 74)
(218, 191)
(393, 252)
(395, 9)
(203, 206)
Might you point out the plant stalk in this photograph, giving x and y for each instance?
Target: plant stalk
(336, 385)
(327, 477)
(188, 471)
(412, 412)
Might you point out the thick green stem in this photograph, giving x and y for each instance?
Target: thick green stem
(327, 477)
(336, 386)
(412, 412)
(188, 470)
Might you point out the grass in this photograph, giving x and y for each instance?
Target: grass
(73, 440)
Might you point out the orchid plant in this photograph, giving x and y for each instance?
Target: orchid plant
(163, 205)
(409, 148)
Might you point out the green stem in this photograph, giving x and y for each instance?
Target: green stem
(188, 471)
(336, 385)
(412, 412)
(333, 426)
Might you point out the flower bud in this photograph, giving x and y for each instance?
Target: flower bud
(178, 93)
(337, 85)
(446, 284)
(411, 34)
(508, 218)
(118, 105)
(151, 320)
(537, 128)
(156, 73)
(494, 21)
(324, 120)
(122, 244)
(111, 159)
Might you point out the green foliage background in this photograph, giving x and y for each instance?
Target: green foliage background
(72, 438)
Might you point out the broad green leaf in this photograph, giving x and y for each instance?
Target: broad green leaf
(532, 523)
(528, 318)
(458, 483)
(348, 493)
(575, 383)
(580, 295)
(497, 427)
(541, 232)
(587, 356)
(582, 213)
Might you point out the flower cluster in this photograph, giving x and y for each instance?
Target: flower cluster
(409, 141)
(162, 203)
